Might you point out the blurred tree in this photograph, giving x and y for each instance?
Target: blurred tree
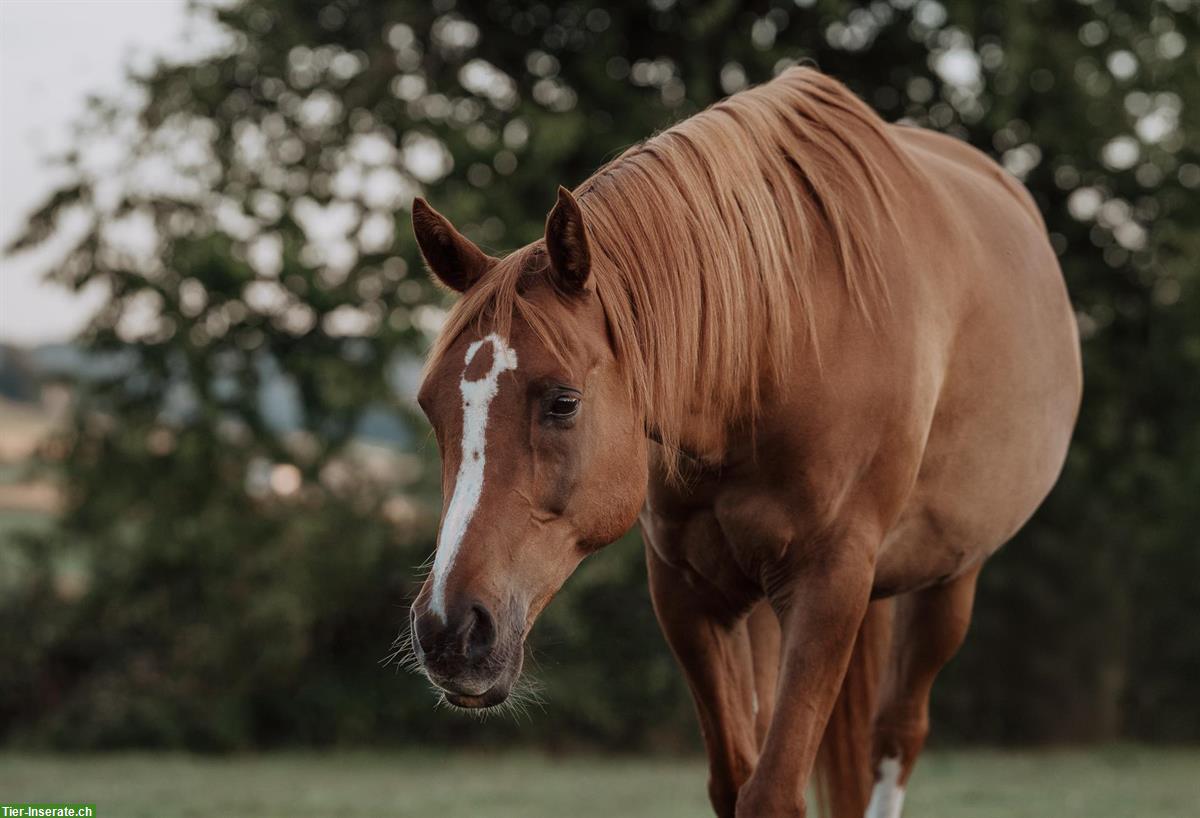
(223, 577)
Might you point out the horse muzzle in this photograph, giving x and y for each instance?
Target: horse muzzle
(464, 654)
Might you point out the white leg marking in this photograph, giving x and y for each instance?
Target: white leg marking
(468, 485)
(887, 799)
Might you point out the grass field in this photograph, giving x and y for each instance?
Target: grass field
(1119, 782)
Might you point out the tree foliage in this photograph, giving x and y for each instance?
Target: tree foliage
(225, 576)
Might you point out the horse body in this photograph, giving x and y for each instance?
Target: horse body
(999, 322)
(915, 422)
(970, 388)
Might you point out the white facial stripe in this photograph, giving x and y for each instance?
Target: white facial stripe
(887, 799)
(468, 484)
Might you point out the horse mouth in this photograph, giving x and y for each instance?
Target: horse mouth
(494, 696)
(476, 693)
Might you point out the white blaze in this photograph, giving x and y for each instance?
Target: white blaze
(468, 485)
(887, 799)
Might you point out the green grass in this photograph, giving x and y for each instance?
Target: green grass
(1110, 783)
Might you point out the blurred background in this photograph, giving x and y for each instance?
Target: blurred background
(216, 491)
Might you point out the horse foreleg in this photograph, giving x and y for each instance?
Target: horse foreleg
(929, 627)
(763, 627)
(715, 654)
(820, 608)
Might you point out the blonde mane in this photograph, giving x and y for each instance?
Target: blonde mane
(703, 242)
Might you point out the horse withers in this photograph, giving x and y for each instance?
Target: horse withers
(832, 366)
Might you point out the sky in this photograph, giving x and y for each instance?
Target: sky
(53, 55)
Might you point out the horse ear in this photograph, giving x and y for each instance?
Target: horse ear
(567, 244)
(452, 258)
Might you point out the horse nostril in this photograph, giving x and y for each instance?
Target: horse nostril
(465, 638)
(481, 637)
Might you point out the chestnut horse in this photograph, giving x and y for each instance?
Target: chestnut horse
(830, 362)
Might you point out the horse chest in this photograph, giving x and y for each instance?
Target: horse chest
(721, 538)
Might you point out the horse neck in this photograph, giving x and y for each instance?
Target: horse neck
(707, 435)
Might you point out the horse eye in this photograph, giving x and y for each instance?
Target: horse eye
(563, 406)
